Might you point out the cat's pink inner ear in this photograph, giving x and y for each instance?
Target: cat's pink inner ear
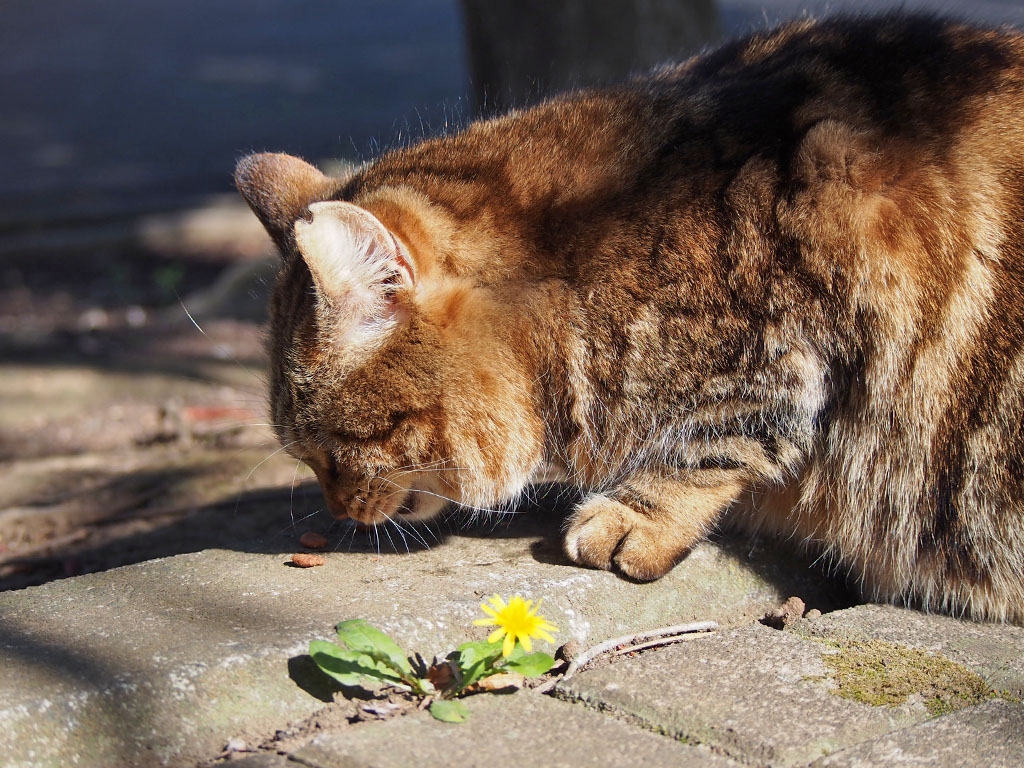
(354, 259)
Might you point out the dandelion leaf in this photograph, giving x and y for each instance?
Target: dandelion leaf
(361, 637)
(532, 665)
(347, 667)
(449, 710)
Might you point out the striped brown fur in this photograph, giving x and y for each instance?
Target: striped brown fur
(781, 282)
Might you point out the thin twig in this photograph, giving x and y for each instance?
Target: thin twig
(545, 687)
(653, 644)
(608, 645)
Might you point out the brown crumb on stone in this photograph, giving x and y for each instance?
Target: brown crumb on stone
(307, 560)
(785, 615)
(313, 540)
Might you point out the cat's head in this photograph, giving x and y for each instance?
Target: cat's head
(397, 375)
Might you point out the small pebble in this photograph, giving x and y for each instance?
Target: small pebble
(569, 651)
(785, 615)
(814, 613)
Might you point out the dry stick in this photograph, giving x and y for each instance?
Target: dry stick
(653, 644)
(666, 635)
(607, 645)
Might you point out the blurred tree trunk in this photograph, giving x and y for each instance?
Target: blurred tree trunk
(523, 50)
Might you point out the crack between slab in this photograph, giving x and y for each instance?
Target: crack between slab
(641, 722)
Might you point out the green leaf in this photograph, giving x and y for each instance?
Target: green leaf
(343, 665)
(350, 668)
(471, 653)
(360, 636)
(533, 665)
(476, 660)
(517, 652)
(449, 710)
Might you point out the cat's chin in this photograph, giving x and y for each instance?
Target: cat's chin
(414, 506)
(420, 505)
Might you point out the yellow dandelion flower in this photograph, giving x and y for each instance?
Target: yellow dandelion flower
(516, 621)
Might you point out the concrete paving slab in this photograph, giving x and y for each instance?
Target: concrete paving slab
(521, 729)
(990, 734)
(993, 651)
(755, 694)
(164, 661)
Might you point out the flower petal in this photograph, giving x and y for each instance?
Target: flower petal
(498, 603)
(509, 645)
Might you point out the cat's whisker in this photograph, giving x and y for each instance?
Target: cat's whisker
(387, 533)
(402, 530)
(241, 489)
(441, 496)
(220, 348)
(405, 541)
(351, 536)
(291, 498)
(411, 530)
(282, 448)
(294, 523)
(427, 464)
(407, 473)
(434, 536)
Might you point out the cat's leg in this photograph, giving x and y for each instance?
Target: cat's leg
(647, 524)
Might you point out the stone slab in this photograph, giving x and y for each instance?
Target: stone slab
(755, 694)
(990, 735)
(163, 662)
(993, 651)
(521, 729)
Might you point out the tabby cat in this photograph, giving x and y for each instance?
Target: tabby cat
(784, 279)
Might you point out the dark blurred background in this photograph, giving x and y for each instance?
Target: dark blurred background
(112, 107)
(126, 429)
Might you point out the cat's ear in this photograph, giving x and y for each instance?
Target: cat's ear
(279, 188)
(359, 267)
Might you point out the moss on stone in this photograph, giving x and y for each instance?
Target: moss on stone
(885, 674)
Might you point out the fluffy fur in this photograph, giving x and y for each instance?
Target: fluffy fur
(782, 280)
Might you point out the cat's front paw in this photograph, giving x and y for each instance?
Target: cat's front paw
(604, 533)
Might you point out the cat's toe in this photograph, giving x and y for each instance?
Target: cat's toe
(643, 556)
(606, 534)
(595, 531)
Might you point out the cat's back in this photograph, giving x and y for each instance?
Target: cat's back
(904, 73)
(874, 103)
